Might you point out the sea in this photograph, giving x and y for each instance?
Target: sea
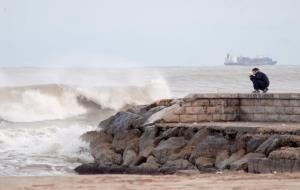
(44, 111)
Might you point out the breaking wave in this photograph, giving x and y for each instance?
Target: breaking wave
(53, 101)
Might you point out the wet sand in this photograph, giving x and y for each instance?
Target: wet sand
(223, 181)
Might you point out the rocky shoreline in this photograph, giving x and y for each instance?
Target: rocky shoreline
(145, 140)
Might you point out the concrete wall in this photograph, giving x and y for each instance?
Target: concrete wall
(238, 107)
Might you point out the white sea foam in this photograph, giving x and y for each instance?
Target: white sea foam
(50, 102)
(58, 148)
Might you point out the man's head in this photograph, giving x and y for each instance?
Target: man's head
(255, 70)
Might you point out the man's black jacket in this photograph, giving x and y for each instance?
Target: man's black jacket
(260, 76)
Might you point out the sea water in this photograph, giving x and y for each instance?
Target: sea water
(44, 111)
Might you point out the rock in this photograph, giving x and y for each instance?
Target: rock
(265, 165)
(272, 143)
(209, 147)
(91, 168)
(104, 155)
(189, 132)
(221, 156)
(180, 164)
(164, 115)
(172, 132)
(242, 164)
(96, 137)
(146, 144)
(122, 139)
(205, 164)
(255, 141)
(168, 147)
(94, 169)
(129, 156)
(150, 163)
(140, 109)
(290, 153)
(233, 157)
(186, 152)
(120, 122)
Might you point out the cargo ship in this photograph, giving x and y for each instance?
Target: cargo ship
(246, 61)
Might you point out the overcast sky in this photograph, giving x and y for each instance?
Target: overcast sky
(146, 32)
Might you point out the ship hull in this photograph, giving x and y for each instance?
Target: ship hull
(249, 64)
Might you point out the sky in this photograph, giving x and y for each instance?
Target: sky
(146, 32)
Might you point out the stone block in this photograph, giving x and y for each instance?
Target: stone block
(232, 102)
(231, 117)
(259, 117)
(211, 109)
(294, 102)
(247, 109)
(179, 110)
(247, 102)
(280, 102)
(266, 117)
(215, 102)
(204, 117)
(259, 109)
(195, 110)
(295, 118)
(201, 102)
(231, 110)
(171, 118)
(295, 96)
(188, 118)
(284, 118)
(219, 117)
(272, 110)
(271, 117)
(246, 117)
(283, 110)
(296, 110)
(264, 102)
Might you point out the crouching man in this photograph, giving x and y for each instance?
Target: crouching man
(260, 81)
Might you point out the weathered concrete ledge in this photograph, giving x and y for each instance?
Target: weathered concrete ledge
(205, 132)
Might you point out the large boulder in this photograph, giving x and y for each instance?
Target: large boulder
(180, 164)
(266, 165)
(209, 147)
(291, 153)
(151, 162)
(272, 143)
(129, 156)
(242, 164)
(104, 155)
(205, 164)
(198, 137)
(120, 122)
(167, 115)
(146, 144)
(255, 142)
(96, 137)
(225, 164)
(166, 148)
(124, 139)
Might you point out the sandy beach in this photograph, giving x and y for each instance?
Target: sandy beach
(226, 181)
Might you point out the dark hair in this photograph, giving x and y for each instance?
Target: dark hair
(255, 69)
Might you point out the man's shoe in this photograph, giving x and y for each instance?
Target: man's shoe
(265, 90)
(255, 92)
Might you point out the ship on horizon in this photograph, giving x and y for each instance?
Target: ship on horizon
(231, 59)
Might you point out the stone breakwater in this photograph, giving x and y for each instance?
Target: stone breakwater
(257, 133)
